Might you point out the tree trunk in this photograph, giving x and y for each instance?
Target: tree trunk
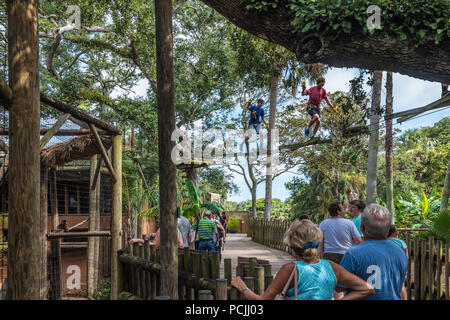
(55, 215)
(371, 189)
(167, 170)
(24, 265)
(269, 167)
(446, 191)
(253, 190)
(360, 50)
(388, 145)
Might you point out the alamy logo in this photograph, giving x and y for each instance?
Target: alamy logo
(75, 16)
(375, 279)
(374, 21)
(74, 280)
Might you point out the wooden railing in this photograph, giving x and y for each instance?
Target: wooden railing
(428, 265)
(198, 274)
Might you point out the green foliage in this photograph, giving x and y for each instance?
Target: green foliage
(104, 290)
(194, 192)
(233, 224)
(217, 181)
(419, 22)
(416, 210)
(151, 214)
(213, 206)
(441, 226)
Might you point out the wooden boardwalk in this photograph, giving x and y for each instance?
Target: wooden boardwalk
(239, 245)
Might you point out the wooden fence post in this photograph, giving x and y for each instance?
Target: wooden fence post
(227, 270)
(221, 289)
(204, 295)
(259, 279)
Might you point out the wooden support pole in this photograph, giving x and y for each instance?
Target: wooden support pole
(251, 266)
(116, 215)
(95, 180)
(42, 231)
(268, 278)
(250, 282)
(206, 272)
(51, 132)
(24, 236)
(92, 227)
(55, 202)
(104, 153)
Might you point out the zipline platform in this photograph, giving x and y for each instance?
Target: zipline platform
(239, 245)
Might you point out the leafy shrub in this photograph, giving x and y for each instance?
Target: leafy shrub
(104, 290)
(233, 224)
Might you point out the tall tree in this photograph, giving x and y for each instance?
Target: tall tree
(371, 188)
(446, 191)
(25, 238)
(167, 170)
(274, 81)
(389, 145)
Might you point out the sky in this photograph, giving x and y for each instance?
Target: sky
(408, 93)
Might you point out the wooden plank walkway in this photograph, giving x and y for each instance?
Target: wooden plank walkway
(240, 245)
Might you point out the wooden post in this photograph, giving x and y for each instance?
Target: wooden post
(204, 295)
(104, 154)
(423, 278)
(431, 269)
(137, 271)
(251, 266)
(98, 240)
(55, 201)
(250, 282)
(92, 227)
(221, 289)
(206, 273)
(439, 270)
(234, 294)
(116, 215)
(259, 279)
(215, 265)
(24, 236)
(154, 276)
(227, 270)
(42, 232)
(143, 293)
(416, 269)
(239, 271)
(268, 278)
(165, 97)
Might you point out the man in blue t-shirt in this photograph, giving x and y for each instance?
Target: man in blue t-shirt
(377, 260)
(356, 208)
(256, 116)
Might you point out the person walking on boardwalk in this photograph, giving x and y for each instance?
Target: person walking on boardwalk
(355, 209)
(205, 229)
(339, 233)
(379, 261)
(316, 95)
(316, 277)
(184, 227)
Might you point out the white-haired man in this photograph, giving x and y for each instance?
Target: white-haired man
(377, 260)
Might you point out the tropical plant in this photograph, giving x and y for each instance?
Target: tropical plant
(104, 290)
(233, 224)
(440, 226)
(193, 209)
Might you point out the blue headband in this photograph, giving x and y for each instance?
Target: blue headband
(310, 244)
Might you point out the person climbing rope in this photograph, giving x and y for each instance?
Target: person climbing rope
(316, 95)
(445, 91)
(256, 116)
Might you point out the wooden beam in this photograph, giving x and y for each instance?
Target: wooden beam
(51, 132)
(65, 133)
(97, 173)
(6, 102)
(79, 114)
(92, 227)
(405, 115)
(103, 152)
(55, 235)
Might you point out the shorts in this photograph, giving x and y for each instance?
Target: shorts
(335, 257)
(254, 128)
(312, 111)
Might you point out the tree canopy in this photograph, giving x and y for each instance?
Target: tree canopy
(336, 32)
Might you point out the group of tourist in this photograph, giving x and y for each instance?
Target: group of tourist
(209, 233)
(341, 258)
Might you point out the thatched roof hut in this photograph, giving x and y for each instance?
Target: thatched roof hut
(79, 148)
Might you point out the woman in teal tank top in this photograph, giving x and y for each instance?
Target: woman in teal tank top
(317, 278)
